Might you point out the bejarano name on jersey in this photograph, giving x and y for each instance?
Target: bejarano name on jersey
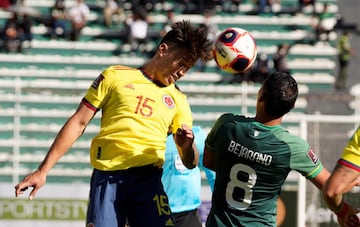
(244, 152)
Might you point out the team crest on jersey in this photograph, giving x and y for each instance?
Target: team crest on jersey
(168, 101)
(97, 81)
(313, 157)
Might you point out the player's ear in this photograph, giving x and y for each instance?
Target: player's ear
(163, 47)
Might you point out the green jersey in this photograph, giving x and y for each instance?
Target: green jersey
(252, 162)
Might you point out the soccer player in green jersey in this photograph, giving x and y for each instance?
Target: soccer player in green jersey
(252, 157)
(343, 178)
(139, 106)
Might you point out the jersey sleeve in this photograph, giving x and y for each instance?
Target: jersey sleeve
(351, 154)
(99, 90)
(303, 158)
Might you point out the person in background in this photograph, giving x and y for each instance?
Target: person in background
(78, 15)
(252, 157)
(183, 185)
(138, 24)
(25, 31)
(343, 178)
(12, 43)
(139, 107)
(58, 20)
(213, 31)
(261, 68)
(170, 20)
(280, 58)
(324, 23)
(344, 57)
(302, 4)
(112, 8)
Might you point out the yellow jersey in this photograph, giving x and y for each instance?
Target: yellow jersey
(136, 117)
(351, 154)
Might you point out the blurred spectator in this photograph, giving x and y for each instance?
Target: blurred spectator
(264, 6)
(59, 20)
(210, 24)
(227, 6)
(138, 24)
(344, 57)
(261, 68)
(24, 30)
(213, 30)
(234, 6)
(323, 24)
(111, 9)
(78, 17)
(306, 3)
(170, 19)
(193, 7)
(280, 58)
(12, 43)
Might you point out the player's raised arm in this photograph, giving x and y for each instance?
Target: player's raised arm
(66, 137)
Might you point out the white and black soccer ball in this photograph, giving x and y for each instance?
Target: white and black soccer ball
(235, 50)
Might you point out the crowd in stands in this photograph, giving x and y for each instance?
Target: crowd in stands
(132, 24)
(17, 33)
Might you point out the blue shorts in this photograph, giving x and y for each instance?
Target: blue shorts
(136, 195)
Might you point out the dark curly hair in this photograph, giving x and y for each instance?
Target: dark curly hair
(280, 92)
(184, 35)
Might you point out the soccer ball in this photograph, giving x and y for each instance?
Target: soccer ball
(235, 50)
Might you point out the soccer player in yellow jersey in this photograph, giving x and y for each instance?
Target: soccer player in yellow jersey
(139, 106)
(345, 176)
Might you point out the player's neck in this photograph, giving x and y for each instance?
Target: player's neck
(265, 120)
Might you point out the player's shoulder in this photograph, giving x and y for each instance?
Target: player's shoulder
(290, 138)
(231, 117)
(120, 72)
(114, 69)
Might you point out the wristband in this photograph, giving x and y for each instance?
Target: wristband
(341, 213)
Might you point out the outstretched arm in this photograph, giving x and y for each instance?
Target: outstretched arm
(66, 137)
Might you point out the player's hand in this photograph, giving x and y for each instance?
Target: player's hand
(34, 180)
(184, 137)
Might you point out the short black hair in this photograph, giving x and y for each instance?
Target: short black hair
(280, 91)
